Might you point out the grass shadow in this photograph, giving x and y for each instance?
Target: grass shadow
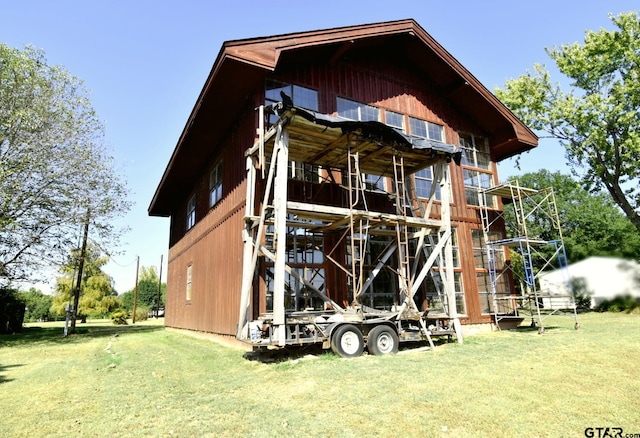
(3, 368)
(33, 335)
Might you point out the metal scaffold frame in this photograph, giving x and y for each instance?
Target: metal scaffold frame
(539, 254)
(275, 225)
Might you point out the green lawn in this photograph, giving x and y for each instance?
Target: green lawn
(147, 381)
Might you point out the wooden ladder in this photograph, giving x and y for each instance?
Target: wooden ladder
(358, 223)
(402, 232)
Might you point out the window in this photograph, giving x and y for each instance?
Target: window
(301, 96)
(189, 274)
(424, 129)
(474, 182)
(476, 163)
(481, 258)
(215, 185)
(191, 212)
(435, 299)
(395, 120)
(304, 172)
(424, 183)
(304, 98)
(350, 109)
(374, 182)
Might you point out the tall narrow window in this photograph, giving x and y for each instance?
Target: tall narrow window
(476, 169)
(481, 257)
(191, 212)
(435, 297)
(189, 274)
(215, 185)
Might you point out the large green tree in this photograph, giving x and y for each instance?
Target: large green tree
(97, 295)
(147, 290)
(597, 120)
(37, 305)
(54, 167)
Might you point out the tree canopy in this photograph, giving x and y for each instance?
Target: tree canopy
(597, 120)
(97, 296)
(54, 167)
(147, 290)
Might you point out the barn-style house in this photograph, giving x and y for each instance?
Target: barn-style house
(381, 85)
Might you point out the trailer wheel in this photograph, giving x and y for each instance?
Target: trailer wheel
(382, 340)
(347, 341)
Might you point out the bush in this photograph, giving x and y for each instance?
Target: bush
(142, 313)
(119, 317)
(626, 303)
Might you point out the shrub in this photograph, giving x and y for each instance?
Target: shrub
(142, 313)
(119, 317)
(625, 303)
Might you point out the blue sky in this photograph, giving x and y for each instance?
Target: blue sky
(145, 63)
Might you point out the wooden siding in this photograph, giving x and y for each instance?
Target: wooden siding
(213, 247)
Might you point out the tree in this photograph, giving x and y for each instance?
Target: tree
(597, 121)
(591, 223)
(147, 290)
(54, 167)
(11, 311)
(37, 305)
(97, 296)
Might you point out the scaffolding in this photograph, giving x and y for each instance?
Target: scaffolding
(540, 251)
(289, 242)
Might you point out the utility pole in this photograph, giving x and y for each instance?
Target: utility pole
(135, 292)
(159, 289)
(83, 253)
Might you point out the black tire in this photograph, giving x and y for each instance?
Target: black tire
(347, 341)
(382, 339)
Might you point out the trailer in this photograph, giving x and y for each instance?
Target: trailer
(332, 256)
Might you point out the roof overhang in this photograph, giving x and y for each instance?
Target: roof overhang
(242, 65)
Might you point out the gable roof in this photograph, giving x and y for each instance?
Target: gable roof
(241, 65)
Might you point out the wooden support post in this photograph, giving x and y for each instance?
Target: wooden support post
(445, 190)
(280, 232)
(247, 258)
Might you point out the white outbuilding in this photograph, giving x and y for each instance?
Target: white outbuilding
(601, 278)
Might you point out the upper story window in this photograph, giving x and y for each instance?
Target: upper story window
(215, 184)
(395, 120)
(476, 169)
(475, 151)
(350, 109)
(301, 96)
(191, 212)
(424, 129)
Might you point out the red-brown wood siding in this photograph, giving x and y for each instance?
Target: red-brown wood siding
(213, 247)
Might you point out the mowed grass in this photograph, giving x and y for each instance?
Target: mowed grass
(148, 381)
